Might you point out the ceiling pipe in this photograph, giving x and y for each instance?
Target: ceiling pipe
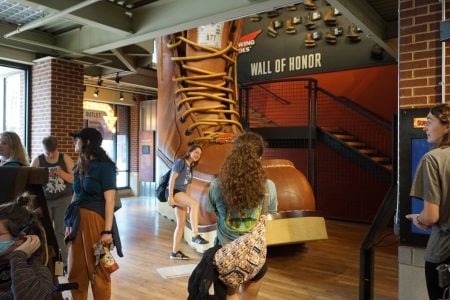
(151, 91)
(49, 18)
(61, 49)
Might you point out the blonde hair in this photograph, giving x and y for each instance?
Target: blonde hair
(17, 150)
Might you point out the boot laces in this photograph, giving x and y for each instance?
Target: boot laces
(220, 95)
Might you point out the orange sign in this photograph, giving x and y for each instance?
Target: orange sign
(419, 122)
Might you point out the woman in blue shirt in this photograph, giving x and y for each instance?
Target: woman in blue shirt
(178, 196)
(90, 217)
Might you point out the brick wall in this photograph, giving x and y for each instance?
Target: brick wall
(57, 103)
(420, 52)
(134, 136)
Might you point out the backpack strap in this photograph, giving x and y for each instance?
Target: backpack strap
(265, 205)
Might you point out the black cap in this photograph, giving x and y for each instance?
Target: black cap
(90, 134)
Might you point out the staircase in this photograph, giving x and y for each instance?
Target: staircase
(353, 148)
(258, 120)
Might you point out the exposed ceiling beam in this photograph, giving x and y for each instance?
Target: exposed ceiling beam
(102, 15)
(36, 36)
(126, 60)
(158, 19)
(365, 17)
(15, 55)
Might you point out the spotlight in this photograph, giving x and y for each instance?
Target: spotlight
(96, 92)
(118, 78)
(99, 81)
(121, 96)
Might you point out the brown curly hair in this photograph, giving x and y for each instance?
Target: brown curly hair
(242, 179)
(442, 113)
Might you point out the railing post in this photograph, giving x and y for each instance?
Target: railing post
(312, 112)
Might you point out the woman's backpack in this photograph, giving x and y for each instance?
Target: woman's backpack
(163, 183)
(161, 189)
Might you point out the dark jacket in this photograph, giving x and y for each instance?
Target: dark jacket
(205, 275)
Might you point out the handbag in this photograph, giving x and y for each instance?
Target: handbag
(240, 260)
(108, 261)
(104, 257)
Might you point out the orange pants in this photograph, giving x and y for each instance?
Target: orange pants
(81, 259)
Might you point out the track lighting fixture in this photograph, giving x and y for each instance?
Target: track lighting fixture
(118, 78)
(96, 92)
(99, 81)
(121, 96)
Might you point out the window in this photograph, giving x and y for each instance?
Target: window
(13, 99)
(112, 122)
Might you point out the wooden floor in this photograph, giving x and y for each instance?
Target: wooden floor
(327, 269)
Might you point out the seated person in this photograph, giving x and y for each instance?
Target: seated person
(23, 252)
(12, 152)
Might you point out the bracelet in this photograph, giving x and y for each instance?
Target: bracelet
(418, 221)
(106, 232)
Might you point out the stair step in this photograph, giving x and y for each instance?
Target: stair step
(380, 159)
(367, 151)
(333, 130)
(355, 144)
(344, 137)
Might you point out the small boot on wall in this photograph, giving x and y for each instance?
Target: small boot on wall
(277, 24)
(273, 14)
(292, 7)
(337, 31)
(290, 29)
(330, 37)
(296, 20)
(309, 40)
(309, 24)
(197, 103)
(352, 34)
(377, 52)
(309, 4)
(271, 30)
(255, 18)
(329, 18)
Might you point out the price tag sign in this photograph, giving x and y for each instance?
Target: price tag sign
(210, 35)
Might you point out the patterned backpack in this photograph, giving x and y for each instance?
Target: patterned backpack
(240, 260)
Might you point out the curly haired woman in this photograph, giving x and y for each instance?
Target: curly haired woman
(237, 197)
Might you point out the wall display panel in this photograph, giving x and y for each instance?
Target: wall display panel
(413, 145)
(303, 39)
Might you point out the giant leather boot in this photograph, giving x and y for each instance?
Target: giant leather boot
(197, 103)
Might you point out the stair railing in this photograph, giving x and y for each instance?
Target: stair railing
(340, 112)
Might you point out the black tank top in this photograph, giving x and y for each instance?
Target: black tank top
(56, 186)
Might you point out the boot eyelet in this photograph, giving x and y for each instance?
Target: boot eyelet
(182, 120)
(187, 132)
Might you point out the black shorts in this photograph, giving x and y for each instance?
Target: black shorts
(175, 191)
(261, 273)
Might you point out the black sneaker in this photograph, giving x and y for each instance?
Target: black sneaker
(179, 255)
(199, 240)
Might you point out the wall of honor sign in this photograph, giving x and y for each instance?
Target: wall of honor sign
(304, 39)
